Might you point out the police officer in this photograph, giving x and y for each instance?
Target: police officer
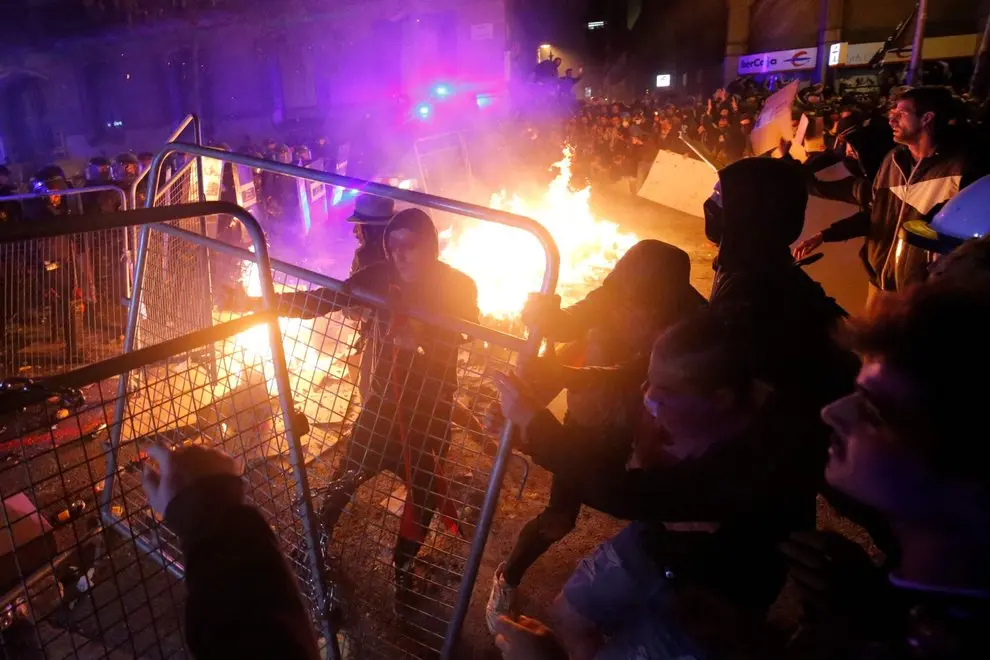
(49, 181)
(54, 263)
(302, 156)
(125, 170)
(98, 173)
(281, 202)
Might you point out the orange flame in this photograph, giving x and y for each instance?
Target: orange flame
(508, 263)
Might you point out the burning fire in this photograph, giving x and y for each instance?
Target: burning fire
(301, 338)
(508, 263)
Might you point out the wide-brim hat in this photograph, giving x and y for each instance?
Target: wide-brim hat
(372, 210)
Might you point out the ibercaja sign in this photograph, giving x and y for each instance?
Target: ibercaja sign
(801, 59)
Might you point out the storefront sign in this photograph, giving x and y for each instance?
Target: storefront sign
(801, 59)
(835, 53)
(935, 48)
(774, 122)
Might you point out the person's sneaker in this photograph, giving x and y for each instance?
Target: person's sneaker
(501, 601)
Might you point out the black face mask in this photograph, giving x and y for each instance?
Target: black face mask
(714, 216)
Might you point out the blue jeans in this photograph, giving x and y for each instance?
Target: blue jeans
(623, 592)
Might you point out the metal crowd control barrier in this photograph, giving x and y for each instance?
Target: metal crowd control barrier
(189, 120)
(427, 433)
(74, 449)
(61, 298)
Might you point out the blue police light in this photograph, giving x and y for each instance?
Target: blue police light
(423, 110)
(442, 90)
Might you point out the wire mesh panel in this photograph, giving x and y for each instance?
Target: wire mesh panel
(70, 588)
(398, 459)
(86, 569)
(405, 481)
(62, 301)
(176, 295)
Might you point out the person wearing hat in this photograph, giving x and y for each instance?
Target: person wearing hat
(404, 423)
(370, 217)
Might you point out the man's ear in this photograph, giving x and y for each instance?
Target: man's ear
(928, 119)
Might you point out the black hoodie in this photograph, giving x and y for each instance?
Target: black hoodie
(423, 373)
(783, 315)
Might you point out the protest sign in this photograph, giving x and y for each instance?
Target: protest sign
(774, 122)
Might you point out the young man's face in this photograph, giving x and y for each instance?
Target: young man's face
(905, 122)
(410, 254)
(685, 412)
(868, 458)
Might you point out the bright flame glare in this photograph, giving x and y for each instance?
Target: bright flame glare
(301, 339)
(508, 263)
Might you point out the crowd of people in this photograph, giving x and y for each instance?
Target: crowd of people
(617, 140)
(710, 425)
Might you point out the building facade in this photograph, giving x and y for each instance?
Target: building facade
(79, 77)
(809, 39)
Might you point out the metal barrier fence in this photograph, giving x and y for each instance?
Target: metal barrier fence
(73, 449)
(62, 298)
(190, 120)
(408, 459)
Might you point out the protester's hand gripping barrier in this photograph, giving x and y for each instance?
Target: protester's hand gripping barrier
(62, 298)
(86, 569)
(354, 452)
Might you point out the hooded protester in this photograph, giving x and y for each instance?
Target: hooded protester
(404, 425)
(734, 472)
(784, 316)
(647, 291)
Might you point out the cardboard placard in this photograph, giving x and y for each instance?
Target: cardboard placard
(774, 122)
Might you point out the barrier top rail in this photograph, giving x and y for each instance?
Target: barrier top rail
(71, 191)
(50, 227)
(550, 273)
(472, 330)
(190, 119)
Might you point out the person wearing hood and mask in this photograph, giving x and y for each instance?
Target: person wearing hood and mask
(785, 316)
(404, 425)
(648, 290)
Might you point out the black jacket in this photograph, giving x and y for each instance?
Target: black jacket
(424, 373)
(758, 487)
(903, 190)
(777, 310)
(912, 625)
